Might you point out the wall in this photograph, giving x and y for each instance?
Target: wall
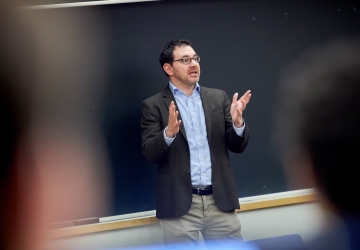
(243, 45)
(305, 219)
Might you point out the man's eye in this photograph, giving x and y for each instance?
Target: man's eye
(186, 60)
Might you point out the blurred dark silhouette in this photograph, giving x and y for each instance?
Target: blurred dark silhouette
(317, 128)
(53, 162)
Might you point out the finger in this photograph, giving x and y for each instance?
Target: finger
(178, 123)
(235, 98)
(249, 96)
(242, 103)
(172, 113)
(173, 108)
(170, 106)
(246, 97)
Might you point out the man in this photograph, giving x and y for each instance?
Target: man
(318, 131)
(187, 130)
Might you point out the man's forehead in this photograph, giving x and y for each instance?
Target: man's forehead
(184, 50)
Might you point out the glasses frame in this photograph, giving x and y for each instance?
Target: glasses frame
(196, 59)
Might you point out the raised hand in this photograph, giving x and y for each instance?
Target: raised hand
(173, 123)
(238, 106)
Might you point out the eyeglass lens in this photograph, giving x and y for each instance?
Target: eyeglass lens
(187, 60)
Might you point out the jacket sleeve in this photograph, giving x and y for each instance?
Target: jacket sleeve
(154, 146)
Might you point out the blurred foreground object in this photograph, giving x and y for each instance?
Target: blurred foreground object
(54, 165)
(317, 128)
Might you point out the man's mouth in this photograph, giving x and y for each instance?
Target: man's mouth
(193, 73)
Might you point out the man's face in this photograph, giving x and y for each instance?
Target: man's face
(181, 74)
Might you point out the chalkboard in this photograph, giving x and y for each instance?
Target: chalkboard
(243, 45)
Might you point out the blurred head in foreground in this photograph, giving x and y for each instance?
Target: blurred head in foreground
(53, 163)
(318, 126)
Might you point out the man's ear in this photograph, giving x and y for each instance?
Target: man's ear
(168, 69)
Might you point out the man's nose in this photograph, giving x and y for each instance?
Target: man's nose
(192, 61)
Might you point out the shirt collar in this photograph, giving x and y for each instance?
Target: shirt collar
(176, 89)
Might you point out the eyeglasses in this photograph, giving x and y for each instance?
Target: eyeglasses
(187, 60)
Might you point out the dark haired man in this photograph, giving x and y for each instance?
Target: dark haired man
(318, 121)
(187, 130)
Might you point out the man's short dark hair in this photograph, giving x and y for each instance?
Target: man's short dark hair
(166, 55)
(319, 111)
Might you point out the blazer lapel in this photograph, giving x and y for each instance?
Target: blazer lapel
(168, 97)
(206, 102)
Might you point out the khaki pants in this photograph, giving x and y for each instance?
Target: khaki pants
(205, 217)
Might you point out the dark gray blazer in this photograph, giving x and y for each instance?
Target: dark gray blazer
(173, 188)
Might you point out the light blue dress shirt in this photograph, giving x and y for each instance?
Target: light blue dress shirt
(193, 118)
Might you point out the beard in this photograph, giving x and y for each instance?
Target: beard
(188, 82)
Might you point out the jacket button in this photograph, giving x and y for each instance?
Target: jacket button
(188, 172)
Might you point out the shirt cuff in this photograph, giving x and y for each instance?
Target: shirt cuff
(168, 140)
(239, 131)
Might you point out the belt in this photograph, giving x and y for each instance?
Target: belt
(203, 190)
